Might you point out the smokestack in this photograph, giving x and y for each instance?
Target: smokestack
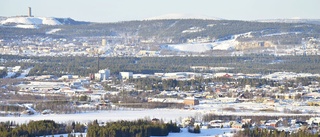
(29, 13)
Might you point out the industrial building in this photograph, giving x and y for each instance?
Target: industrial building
(126, 75)
(103, 74)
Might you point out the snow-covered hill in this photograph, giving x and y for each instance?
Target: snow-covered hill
(182, 16)
(294, 20)
(31, 21)
(34, 22)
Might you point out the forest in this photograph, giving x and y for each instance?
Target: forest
(139, 128)
(257, 132)
(199, 84)
(83, 66)
(38, 128)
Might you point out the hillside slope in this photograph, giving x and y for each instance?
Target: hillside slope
(173, 31)
(35, 22)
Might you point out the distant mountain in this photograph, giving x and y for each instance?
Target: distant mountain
(182, 16)
(34, 22)
(168, 31)
(309, 21)
(69, 21)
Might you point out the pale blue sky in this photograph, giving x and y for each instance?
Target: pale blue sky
(124, 10)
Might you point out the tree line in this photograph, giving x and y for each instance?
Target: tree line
(257, 132)
(83, 66)
(139, 128)
(38, 128)
(200, 83)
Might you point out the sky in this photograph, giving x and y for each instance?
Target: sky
(125, 10)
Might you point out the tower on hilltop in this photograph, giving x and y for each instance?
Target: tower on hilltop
(29, 12)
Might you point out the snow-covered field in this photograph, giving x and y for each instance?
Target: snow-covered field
(66, 135)
(229, 44)
(203, 47)
(103, 116)
(215, 132)
(114, 115)
(10, 74)
(192, 47)
(176, 115)
(13, 71)
(26, 26)
(25, 72)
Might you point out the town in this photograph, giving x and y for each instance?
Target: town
(134, 46)
(159, 77)
(285, 101)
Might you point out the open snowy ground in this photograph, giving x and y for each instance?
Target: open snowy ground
(25, 72)
(214, 132)
(10, 74)
(203, 47)
(228, 44)
(176, 115)
(112, 115)
(169, 114)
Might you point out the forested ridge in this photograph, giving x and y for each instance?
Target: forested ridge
(163, 29)
(82, 66)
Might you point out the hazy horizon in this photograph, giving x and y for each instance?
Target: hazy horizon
(126, 10)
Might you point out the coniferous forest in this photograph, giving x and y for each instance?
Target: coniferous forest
(82, 66)
(138, 128)
(38, 128)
